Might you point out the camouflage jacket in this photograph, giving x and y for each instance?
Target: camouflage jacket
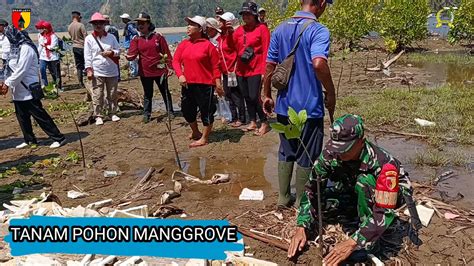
(374, 219)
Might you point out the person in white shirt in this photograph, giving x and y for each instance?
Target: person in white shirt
(23, 69)
(49, 56)
(101, 55)
(4, 43)
(213, 30)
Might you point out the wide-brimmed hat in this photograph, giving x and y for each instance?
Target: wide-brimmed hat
(201, 21)
(143, 17)
(97, 17)
(213, 23)
(249, 7)
(344, 132)
(260, 10)
(125, 16)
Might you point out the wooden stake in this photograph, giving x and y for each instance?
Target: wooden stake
(272, 242)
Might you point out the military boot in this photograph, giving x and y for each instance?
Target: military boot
(285, 172)
(302, 177)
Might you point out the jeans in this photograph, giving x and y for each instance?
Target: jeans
(133, 65)
(54, 68)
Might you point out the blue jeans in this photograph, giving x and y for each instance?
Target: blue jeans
(133, 65)
(54, 68)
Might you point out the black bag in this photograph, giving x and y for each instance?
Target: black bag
(249, 53)
(35, 90)
(282, 74)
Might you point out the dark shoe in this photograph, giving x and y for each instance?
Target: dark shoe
(146, 119)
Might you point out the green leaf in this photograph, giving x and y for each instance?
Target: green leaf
(278, 127)
(294, 119)
(303, 116)
(292, 132)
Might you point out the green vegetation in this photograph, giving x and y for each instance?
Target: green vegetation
(449, 107)
(74, 107)
(463, 24)
(436, 158)
(400, 23)
(73, 157)
(8, 188)
(6, 112)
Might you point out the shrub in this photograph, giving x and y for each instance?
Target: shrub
(463, 24)
(400, 22)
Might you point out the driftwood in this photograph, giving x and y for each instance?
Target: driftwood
(129, 96)
(272, 242)
(387, 64)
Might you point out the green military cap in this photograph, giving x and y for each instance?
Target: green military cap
(344, 132)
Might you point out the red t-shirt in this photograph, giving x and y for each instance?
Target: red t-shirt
(198, 61)
(228, 55)
(148, 51)
(257, 38)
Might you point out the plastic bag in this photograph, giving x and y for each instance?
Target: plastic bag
(223, 109)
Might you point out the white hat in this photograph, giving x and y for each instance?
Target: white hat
(261, 10)
(201, 21)
(125, 15)
(228, 16)
(213, 23)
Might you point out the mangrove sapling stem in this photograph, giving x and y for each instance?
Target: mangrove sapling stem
(352, 65)
(168, 126)
(339, 81)
(78, 134)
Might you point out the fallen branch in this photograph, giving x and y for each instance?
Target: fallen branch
(265, 234)
(386, 64)
(272, 242)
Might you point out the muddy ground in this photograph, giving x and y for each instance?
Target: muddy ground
(132, 147)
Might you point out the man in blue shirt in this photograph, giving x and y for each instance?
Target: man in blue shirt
(305, 92)
(129, 32)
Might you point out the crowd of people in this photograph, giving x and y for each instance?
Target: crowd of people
(223, 58)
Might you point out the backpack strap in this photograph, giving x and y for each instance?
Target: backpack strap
(306, 24)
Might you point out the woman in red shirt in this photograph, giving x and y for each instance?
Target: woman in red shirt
(154, 63)
(228, 66)
(196, 63)
(251, 42)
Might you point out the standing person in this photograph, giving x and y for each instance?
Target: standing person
(129, 32)
(111, 28)
(196, 63)
(219, 11)
(49, 57)
(102, 53)
(23, 80)
(251, 42)
(228, 67)
(262, 13)
(154, 60)
(78, 34)
(4, 43)
(213, 30)
(304, 92)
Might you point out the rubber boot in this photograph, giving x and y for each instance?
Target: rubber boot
(80, 78)
(302, 177)
(285, 172)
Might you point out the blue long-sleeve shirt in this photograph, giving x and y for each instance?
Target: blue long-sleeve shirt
(129, 32)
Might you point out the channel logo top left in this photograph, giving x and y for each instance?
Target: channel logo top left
(21, 18)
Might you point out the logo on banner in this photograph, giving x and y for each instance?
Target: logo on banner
(21, 18)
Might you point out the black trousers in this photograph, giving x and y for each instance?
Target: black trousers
(250, 89)
(79, 58)
(25, 110)
(198, 96)
(236, 101)
(147, 83)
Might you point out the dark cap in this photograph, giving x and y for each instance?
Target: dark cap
(77, 13)
(143, 17)
(249, 7)
(3, 22)
(219, 10)
(344, 132)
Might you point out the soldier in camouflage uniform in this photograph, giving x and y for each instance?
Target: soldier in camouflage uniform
(376, 177)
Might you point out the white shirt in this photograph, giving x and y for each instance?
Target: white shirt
(214, 40)
(24, 68)
(53, 56)
(4, 46)
(102, 66)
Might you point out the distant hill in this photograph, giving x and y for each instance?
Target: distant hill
(164, 13)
